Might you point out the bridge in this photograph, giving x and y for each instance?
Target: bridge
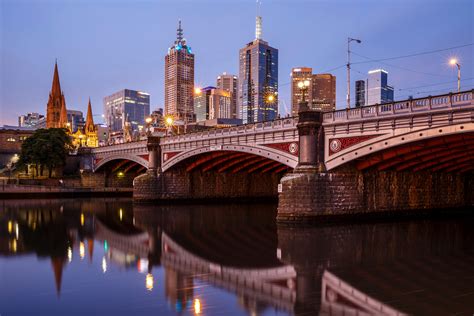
(433, 134)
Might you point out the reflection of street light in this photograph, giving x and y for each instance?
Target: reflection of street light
(149, 282)
(454, 62)
(197, 306)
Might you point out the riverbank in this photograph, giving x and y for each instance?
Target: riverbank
(13, 191)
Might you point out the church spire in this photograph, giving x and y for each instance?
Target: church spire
(89, 119)
(56, 102)
(56, 87)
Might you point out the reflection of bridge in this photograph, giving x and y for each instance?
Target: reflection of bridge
(273, 285)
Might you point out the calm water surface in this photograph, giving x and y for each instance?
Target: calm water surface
(110, 257)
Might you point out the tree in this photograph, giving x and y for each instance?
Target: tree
(46, 148)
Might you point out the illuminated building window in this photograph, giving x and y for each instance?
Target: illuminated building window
(11, 139)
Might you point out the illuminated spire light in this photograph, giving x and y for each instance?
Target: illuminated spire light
(258, 22)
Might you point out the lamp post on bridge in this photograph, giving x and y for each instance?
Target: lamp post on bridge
(454, 62)
(310, 133)
(349, 40)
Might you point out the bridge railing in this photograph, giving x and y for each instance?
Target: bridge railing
(401, 107)
(283, 123)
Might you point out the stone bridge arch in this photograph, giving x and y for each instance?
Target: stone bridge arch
(100, 162)
(404, 148)
(249, 158)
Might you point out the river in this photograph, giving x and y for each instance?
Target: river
(111, 257)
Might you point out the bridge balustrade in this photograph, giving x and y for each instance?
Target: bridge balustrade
(401, 107)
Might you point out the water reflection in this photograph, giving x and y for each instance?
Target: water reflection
(409, 267)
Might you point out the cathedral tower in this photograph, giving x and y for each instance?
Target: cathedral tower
(56, 114)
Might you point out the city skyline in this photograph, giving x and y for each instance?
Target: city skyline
(28, 54)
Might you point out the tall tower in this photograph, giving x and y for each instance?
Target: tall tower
(56, 104)
(179, 80)
(258, 79)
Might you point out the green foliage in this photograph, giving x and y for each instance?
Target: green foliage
(46, 148)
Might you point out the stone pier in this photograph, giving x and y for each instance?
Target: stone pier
(311, 193)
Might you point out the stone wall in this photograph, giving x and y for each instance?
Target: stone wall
(306, 196)
(179, 184)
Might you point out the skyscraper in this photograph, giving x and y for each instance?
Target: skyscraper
(212, 103)
(228, 83)
(258, 79)
(179, 79)
(359, 93)
(56, 114)
(324, 92)
(320, 94)
(377, 87)
(126, 105)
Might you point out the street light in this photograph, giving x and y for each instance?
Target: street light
(271, 98)
(349, 40)
(454, 62)
(148, 121)
(303, 86)
(169, 121)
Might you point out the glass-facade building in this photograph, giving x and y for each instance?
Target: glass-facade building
(359, 93)
(378, 90)
(258, 82)
(126, 105)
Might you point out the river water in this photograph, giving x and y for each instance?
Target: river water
(110, 257)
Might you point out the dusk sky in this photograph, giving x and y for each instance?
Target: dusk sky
(103, 46)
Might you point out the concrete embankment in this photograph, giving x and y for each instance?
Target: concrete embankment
(37, 191)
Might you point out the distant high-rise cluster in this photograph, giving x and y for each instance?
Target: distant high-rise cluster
(320, 94)
(179, 80)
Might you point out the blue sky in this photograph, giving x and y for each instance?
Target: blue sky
(103, 46)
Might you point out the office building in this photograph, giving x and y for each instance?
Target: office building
(359, 93)
(30, 120)
(212, 103)
(320, 94)
(179, 80)
(378, 89)
(228, 83)
(75, 119)
(126, 105)
(258, 80)
(323, 92)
